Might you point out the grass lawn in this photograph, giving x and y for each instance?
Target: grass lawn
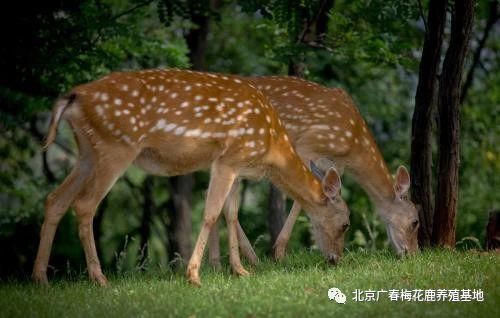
(295, 288)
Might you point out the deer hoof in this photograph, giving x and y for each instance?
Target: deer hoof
(279, 252)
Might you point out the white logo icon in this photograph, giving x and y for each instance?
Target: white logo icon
(335, 294)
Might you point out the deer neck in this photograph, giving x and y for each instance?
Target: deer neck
(292, 176)
(374, 177)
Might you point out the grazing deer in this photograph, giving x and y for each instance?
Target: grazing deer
(172, 122)
(325, 126)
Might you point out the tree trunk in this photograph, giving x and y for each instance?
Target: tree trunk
(277, 215)
(449, 124)
(196, 38)
(493, 231)
(179, 228)
(421, 135)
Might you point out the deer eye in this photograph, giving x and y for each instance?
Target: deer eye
(414, 224)
(345, 226)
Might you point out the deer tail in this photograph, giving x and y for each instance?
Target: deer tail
(61, 104)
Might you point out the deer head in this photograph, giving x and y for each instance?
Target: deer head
(330, 220)
(401, 216)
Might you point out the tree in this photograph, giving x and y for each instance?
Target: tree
(449, 124)
(421, 135)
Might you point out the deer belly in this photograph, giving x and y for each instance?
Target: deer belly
(172, 163)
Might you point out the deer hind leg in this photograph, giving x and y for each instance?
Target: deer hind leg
(232, 201)
(56, 206)
(230, 211)
(231, 214)
(214, 247)
(106, 172)
(221, 180)
(286, 232)
(246, 247)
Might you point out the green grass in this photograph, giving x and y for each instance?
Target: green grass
(295, 288)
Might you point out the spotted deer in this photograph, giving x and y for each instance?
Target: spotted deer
(325, 126)
(173, 122)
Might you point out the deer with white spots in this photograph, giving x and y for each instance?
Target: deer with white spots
(325, 126)
(173, 122)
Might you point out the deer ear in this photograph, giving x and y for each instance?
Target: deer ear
(316, 171)
(402, 182)
(331, 183)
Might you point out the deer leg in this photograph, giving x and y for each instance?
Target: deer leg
(56, 205)
(221, 180)
(106, 174)
(214, 247)
(286, 232)
(245, 246)
(231, 214)
(232, 206)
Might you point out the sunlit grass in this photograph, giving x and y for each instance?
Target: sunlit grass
(294, 288)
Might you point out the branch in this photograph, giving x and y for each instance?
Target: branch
(422, 15)
(116, 17)
(130, 10)
(476, 60)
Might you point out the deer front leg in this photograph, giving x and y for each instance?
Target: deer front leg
(231, 214)
(286, 232)
(221, 180)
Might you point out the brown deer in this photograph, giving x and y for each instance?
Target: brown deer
(325, 126)
(172, 122)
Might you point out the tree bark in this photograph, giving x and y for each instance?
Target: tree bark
(179, 228)
(449, 124)
(493, 231)
(277, 215)
(196, 38)
(421, 135)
